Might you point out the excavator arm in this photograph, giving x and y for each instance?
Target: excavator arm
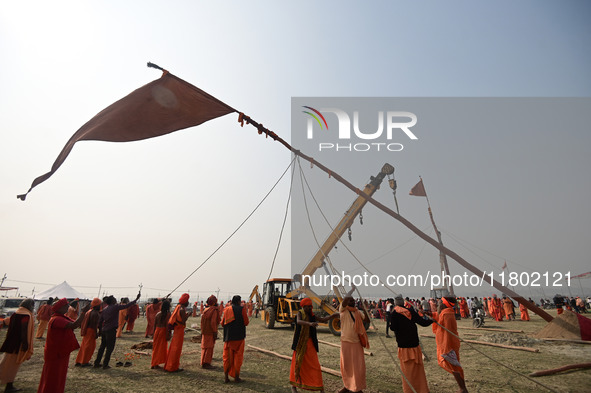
(255, 293)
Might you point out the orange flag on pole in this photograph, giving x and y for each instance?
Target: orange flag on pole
(418, 189)
(162, 106)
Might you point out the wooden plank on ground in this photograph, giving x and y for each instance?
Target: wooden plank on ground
(368, 353)
(492, 329)
(581, 366)
(324, 369)
(494, 345)
(566, 340)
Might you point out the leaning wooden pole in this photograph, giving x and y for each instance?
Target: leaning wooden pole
(520, 299)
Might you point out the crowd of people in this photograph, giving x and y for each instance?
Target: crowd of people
(402, 317)
(108, 319)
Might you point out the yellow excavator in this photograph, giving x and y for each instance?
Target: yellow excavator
(281, 295)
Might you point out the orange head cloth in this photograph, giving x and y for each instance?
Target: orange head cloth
(448, 301)
(184, 298)
(211, 300)
(59, 304)
(306, 302)
(96, 302)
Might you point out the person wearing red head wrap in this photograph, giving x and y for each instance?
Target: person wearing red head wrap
(61, 341)
(210, 320)
(448, 343)
(89, 332)
(305, 369)
(178, 320)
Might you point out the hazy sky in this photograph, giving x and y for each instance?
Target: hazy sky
(150, 212)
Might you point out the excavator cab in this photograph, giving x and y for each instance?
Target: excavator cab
(276, 307)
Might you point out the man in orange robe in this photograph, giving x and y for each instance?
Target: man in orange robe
(524, 313)
(178, 319)
(161, 335)
(448, 343)
(151, 311)
(89, 332)
(43, 316)
(234, 320)
(496, 308)
(122, 317)
(61, 341)
(210, 320)
(508, 308)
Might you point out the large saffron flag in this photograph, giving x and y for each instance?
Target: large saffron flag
(418, 189)
(162, 106)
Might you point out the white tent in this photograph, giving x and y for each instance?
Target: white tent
(60, 291)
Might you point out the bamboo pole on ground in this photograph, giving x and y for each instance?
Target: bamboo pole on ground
(566, 340)
(494, 344)
(581, 366)
(492, 329)
(324, 369)
(368, 353)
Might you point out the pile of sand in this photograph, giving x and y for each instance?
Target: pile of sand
(566, 325)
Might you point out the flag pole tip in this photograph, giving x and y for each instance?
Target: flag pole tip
(152, 65)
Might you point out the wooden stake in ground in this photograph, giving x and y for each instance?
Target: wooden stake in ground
(338, 346)
(324, 369)
(494, 345)
(581, 366)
